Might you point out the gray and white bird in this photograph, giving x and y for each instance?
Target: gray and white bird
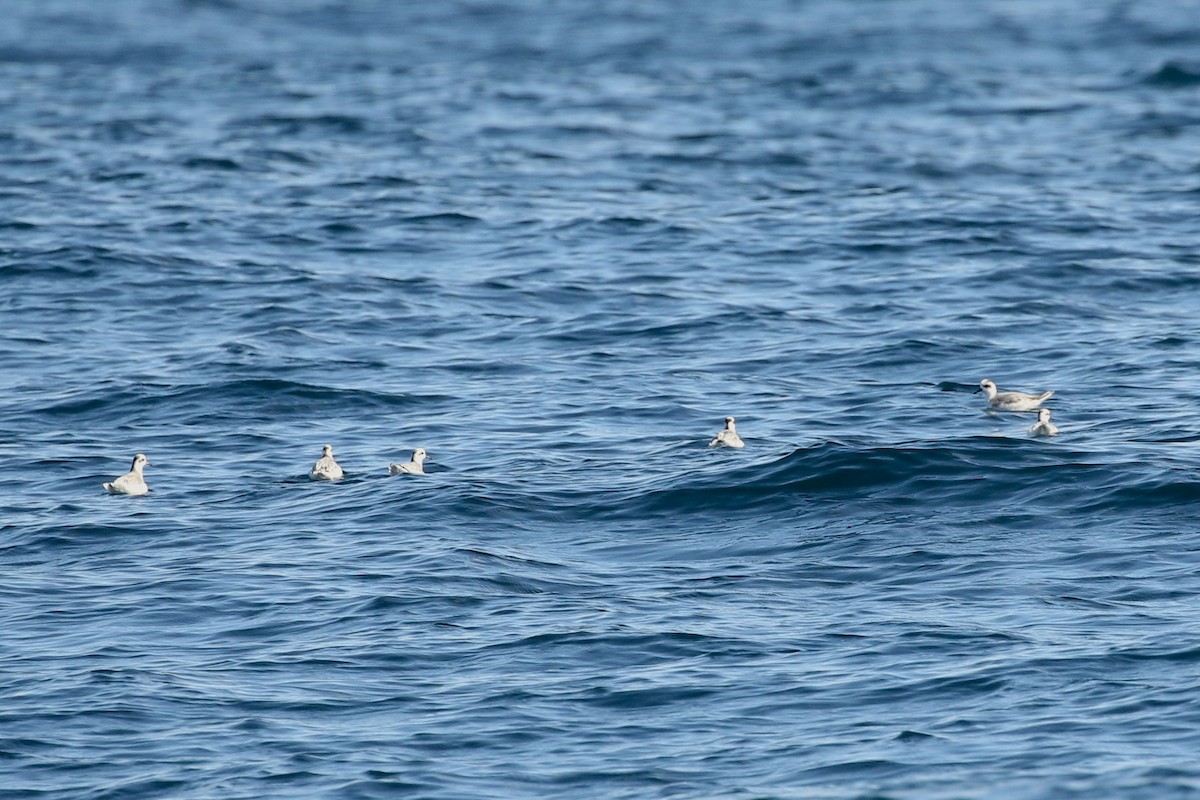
(728, 437)
(412, 467)
(1011, 401)
(326, 469)
(1044, 426)
(131, 482)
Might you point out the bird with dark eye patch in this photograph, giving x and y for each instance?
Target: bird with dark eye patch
(412, 467)
(1011, 401)
(131, 482)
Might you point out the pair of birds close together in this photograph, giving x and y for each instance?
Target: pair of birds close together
(326, 469)
(1020, 401)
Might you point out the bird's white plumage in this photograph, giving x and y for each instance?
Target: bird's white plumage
(1044, 427)
(1011, 401)
(412, 467)
(728, 437)
(131, 482)
(326, 469)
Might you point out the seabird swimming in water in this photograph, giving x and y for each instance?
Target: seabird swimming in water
(326, 469)
(727, 437)
(1044, 426)
(131, 482)
(1011, 401)
(413, 467)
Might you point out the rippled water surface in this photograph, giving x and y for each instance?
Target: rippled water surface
(556, 244)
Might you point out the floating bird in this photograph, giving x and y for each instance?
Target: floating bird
(1044, 426)
(131, 482)
(727, 437)
(326, 469)
(1011, 401)
(413, 467)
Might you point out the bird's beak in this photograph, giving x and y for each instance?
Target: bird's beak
(977, 391)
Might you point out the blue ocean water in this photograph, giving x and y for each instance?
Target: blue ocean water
(556, 244)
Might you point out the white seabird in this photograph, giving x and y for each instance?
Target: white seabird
(131, 482)
(1011, 401)
(728, 437)
(1044, 426)
(413, 467)
(326, 469)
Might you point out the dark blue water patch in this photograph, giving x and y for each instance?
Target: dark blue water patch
(237, 399)
(19, 268)
(132, 129)
(281, 156)
(380, 182)
(447, 220)
(1153, 491)
(119, 176)
(1157, 124)
(212, 163)
(89, 256)
(1022, 109)
(321, 126)
(1174, 74)
(341, 229)
(982, 471)
(911, 351)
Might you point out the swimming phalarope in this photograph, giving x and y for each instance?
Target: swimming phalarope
(1044, 426)
(326, 469)
(728, 437)
(131, 482)
(1011, 401)
(413, 467)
